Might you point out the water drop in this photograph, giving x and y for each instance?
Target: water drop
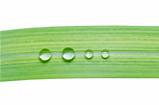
(88, 54)
(105, 54)
(45, 55)
(68, 54)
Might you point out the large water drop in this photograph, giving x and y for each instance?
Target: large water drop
(68, 54)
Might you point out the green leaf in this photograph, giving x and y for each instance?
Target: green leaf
(133, 52)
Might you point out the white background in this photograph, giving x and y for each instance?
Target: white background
(16, 14)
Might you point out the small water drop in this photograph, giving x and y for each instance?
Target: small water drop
(88, 54)
(105, 54)
(45, 55)
(68, 54)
